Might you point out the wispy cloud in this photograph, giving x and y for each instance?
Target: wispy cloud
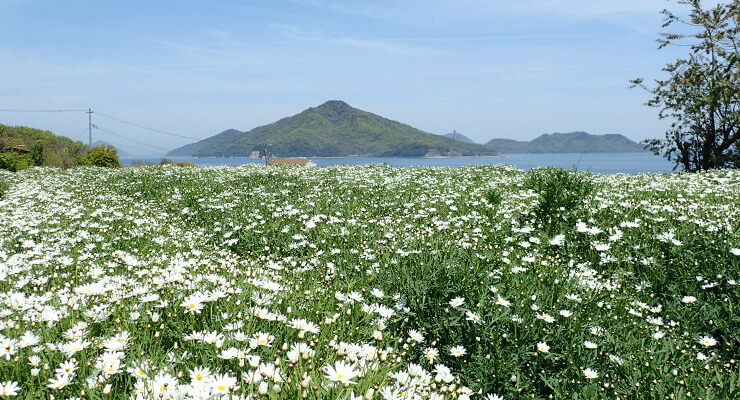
(389, 45)
(225, 51)
(223, 37)
(585, 8)
(363, 8)
(219, 34)
(187, 48)
(476, 8)
(598, 8)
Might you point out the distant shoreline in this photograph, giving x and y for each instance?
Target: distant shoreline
(504, 155)
(607, 163)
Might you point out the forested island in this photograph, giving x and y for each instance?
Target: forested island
(335, 129)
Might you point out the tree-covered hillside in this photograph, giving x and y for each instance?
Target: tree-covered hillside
(22, 147)
(334, 129)
(574, 142)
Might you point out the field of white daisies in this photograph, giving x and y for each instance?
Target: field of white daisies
(368, 282)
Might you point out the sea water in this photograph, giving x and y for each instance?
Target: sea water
(602, 163)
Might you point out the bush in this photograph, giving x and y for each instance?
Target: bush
(494, 197)
(561, 195)
(101, 156)
(4, 186)
(14, 162)
(167, 161)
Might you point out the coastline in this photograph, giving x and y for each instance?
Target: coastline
(503, 155)
(605, 163)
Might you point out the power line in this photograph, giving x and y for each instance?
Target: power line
(120, 136)
(39, 111)
(80, 135)
(145, 127)
(91, 125)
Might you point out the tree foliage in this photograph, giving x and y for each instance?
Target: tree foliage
(101, 156)
(702, 92)
(23, 147)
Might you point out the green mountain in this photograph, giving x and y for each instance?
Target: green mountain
(333, 129)
(574, 142)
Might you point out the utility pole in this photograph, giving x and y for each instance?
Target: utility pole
(89, 128)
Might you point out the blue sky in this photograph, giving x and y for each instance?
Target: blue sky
(486, 68)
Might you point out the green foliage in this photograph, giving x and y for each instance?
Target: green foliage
(167, 161)
(494, 197)
(37, 148)
(14, 162)
(101, 156)
(701, 92)
(4, 186)
(561, 195)
(37, 153)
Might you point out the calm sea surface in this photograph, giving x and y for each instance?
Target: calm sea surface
(602, 163)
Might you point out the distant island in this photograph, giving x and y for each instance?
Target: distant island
(574, 142)
(459, 136)
(333, 129)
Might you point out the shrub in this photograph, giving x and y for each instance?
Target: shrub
(4, 186)
(101, 156)
(561, 194)
(14, 162)
(494, 197)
